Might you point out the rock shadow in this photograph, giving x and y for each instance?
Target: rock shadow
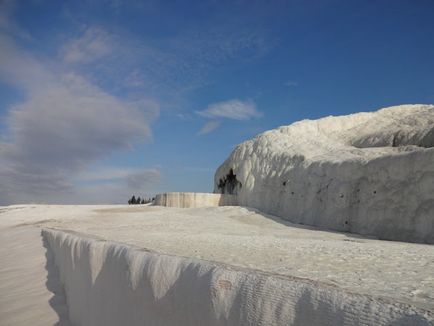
(311, 310)
(322, 313)
(54, 285)
(414, 320)
(353, 236)
(229, 184)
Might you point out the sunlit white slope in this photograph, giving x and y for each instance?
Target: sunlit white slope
(368, 173)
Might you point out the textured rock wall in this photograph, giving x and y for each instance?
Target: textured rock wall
(368, 173)
(194, 199)
(113, 284)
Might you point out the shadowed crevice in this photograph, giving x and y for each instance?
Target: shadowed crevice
(54, 285)
(229, 184)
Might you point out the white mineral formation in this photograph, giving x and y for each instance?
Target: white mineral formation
(367, 173)
(194, 199)
(217, 266)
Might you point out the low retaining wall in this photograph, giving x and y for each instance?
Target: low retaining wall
(194, 199)
(113, 284)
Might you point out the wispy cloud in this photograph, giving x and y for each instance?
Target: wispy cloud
(233, 109)
(209, 127)
(291, 83)
(93, 44)
(140, 180)
(98, 94)
(115, 184)
(135, 79)
(7, 7)
(122, 173)
(165, 67)
(64, 124)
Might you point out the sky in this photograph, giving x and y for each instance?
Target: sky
(100, 100)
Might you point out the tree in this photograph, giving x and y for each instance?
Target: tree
(133, 200)
(138, 200)
(143, 201)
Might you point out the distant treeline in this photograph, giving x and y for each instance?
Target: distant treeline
(135, 201)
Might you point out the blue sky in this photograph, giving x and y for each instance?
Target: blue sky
(103, 99)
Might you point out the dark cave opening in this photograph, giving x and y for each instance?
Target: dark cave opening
(229, 184)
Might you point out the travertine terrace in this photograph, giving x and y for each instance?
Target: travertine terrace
(368, 173)
(136, 265)
(194, 199)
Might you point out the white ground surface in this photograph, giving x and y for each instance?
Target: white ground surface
(25, 296)
(367, 173)
(401, 272)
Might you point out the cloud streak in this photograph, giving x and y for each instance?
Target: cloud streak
(93, 44)
(233, 109)
(115, 184)
(208, 127)
(64, 123)
(164, 67)
(96, 95)
(291, 83)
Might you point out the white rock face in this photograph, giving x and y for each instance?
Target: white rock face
(368, 173)
(194, 199)
(149, 265)
(109, 284)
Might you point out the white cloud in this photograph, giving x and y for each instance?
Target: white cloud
(233, 109)
(7, 7)
(140, 180)
(94, 44)
(64, 123)
(291, 83)
(135, 79)
(209, 127)
(135, 177)
(166, 67)
(113, 184)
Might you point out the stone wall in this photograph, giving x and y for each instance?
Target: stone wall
(194, 199)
